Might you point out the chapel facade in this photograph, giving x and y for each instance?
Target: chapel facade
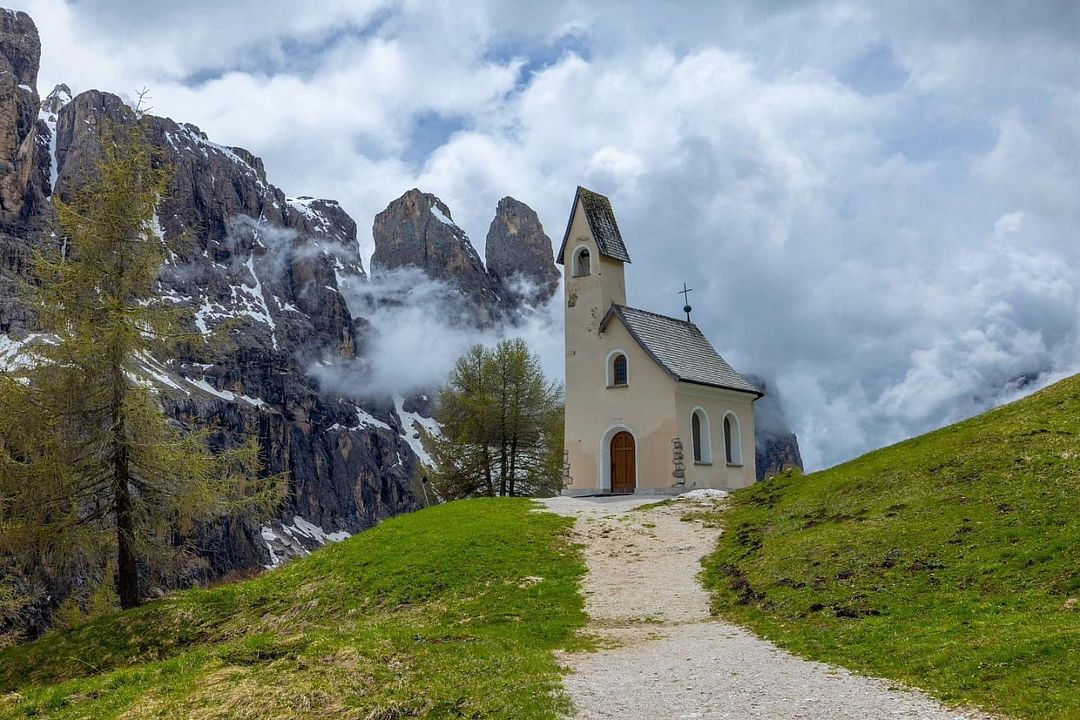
(651, 407)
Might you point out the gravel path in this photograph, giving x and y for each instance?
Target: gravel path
(670, 659)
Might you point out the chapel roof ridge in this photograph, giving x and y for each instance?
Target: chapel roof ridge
(656, 314)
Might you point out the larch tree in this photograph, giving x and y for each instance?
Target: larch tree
(91, 468)
(502, 423)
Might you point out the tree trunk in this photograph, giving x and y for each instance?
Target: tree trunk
(127, 571)
(485, 455)
(503, 398)
(502, 468)
(513, 464)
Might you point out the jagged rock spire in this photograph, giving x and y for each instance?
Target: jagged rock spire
(519, 254)
(417, 230)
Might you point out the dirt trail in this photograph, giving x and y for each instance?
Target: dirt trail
(671, 659)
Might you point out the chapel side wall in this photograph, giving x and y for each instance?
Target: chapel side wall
(716, 402)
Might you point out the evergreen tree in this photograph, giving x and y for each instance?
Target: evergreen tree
(502, 423)
(90, 466)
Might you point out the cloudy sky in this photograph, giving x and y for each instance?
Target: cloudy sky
(877, 204)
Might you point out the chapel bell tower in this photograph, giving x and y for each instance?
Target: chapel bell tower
(593, 255)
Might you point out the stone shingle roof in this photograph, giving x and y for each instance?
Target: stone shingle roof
(602, 223)
(680, 348)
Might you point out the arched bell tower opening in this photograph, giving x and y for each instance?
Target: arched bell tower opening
(582, 263)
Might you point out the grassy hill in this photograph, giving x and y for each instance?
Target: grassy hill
(950, 561)
(449, 612)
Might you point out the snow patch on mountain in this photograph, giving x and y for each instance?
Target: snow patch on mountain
(260, 311)
(157, 374)
(50, 109)
(194, 139)
(208, 311)
(302, 205)
(414, 425)
(364, 420)
(285, 542)
(15, 353)
(442, 217)
(227, 395)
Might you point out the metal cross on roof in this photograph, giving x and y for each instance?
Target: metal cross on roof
(685, 292)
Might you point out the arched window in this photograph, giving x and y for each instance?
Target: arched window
(582, 262)
(619, 374)
(617, 369)
(699, 433)
(732, 440)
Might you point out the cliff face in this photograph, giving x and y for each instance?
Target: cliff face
(270, 266)
(270, 270)
(23, 185)
(26, 216)
(776, 447)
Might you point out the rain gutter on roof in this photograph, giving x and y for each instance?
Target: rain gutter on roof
(755, 393)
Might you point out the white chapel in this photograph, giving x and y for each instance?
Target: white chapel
(651, 407)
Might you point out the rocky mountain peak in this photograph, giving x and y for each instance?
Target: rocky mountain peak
(417, 230)
(519, 254)
(55, 100)
(252, 161)
(26, 215)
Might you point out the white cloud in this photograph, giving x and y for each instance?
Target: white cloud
(875, 203)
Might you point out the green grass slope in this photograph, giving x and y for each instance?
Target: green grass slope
(950, 561)
(449, 612)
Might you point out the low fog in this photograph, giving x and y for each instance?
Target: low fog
(417, 328)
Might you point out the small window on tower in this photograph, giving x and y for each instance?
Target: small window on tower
(619, 375)
(582, 262)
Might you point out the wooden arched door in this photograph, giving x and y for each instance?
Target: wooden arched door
(623, 466)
